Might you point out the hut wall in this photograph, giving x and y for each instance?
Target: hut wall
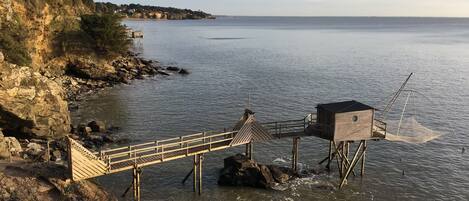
(346, 129)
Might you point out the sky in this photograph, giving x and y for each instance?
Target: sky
(416, 8)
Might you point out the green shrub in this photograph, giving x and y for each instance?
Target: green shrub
(12, 44)
(107, 33)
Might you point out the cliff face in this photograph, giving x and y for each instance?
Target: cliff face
(31, 104)
(39, 21)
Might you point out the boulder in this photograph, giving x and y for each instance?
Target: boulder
(90, 69)
(31, 105)
(266, 178)
(240, 171)
(97, 126)
(84, 130)
(34, 149)
(2, 58)
(4, 152)
(183, 71)
(172, 68)
(15, 146)
(163, 73)
(281, 175)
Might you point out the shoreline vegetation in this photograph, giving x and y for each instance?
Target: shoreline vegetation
(137, 11)
(52, 55)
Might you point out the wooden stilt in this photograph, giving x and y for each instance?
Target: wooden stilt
(187, 176)
(195, 174)
(248, 149)
(342, 161)
(356, 157)
(345, 161)
(295, 151)
(136, 182)
(251, 147)
(362, 172)
(201, 158)
(337, 153)
(329, 158)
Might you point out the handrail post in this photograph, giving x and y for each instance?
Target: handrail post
(180, 141)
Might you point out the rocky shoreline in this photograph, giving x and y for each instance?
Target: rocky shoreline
(35, 119)
(83, 77)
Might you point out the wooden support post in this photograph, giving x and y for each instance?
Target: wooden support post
(362, 172)
(347, 150)
(337, 154)
(329, 158)
(342, 161)
(201, 158)
(249, 150)
(195, 173)
(295, 154)
(136, 182)
(356, 157)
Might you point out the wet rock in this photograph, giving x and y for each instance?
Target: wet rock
(183, 71)
(172, 68)
(240, 171)
(97, 126)
(84, 130)
(89, 69)
(163, 73)
(108, 139)
(97, 140)
(280, 174)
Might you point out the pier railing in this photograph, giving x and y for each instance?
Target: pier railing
(290, 127)
(144, 154)
(149, 153)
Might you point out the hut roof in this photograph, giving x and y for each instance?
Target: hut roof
(345, 106)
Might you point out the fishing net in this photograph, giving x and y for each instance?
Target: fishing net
(410, 131)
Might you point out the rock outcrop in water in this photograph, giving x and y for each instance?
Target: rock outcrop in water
(238, 170)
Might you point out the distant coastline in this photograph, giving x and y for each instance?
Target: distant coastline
(137, 11)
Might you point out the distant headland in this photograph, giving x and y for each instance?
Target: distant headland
(151, 12)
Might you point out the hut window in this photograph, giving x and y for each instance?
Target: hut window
(355, 118)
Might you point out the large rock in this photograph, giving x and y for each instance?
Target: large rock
(90, 69)
(281, 174)
(97, 126)
(240, 171)
(31, 105)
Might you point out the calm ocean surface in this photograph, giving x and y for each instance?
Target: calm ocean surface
(288, 65)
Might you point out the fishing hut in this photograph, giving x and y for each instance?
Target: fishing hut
(344, 123)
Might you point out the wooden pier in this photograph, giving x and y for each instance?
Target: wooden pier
(85, 164)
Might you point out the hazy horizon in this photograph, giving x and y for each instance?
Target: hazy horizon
(318, 8)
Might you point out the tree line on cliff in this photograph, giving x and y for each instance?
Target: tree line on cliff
(145, 11)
